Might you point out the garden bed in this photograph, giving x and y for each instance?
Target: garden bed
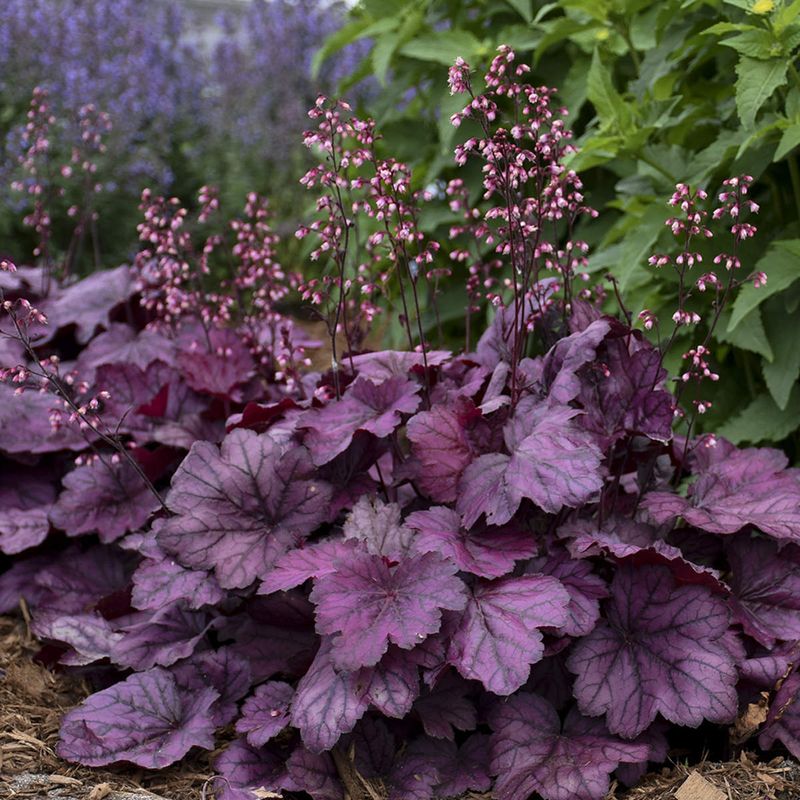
(33, 700)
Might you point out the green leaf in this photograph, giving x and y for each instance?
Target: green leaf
(786, 16)
(442, 48)
(793, 103)
(600, 91)
(727, 27)
(755, 44)
(763, 420)
(757, 80)
(782, 374)
(523, 7)
(337, 40)
(789, 140)
(749, 334)
(782, 265)
(382, 55)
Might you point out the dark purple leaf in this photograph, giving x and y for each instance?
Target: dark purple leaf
(215, 362)
(243, 769)
(266, 713)
(379, 526)
(146, 719)
(159, 638)
(783, 721)
(313, 773)
(161, 581)
(439, 440)
(660, 649)
(483, 550)
(366, 406)
(531, 753)
(467, 770)
(241, 507)
(585, 590)
(25, 499)
(553, 463)
(387, 364)
(392, 685)
(21, 529)
(19, 581)
(104, 498)
(374, 747)
(222, 670)
(369, 604)
(326, 703)
(766, 589)
(121, 344)
(88, 303)
(89, 635)
(447, 708)
(745, 487)
(498, 637)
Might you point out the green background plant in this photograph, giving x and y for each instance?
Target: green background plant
(658, 93)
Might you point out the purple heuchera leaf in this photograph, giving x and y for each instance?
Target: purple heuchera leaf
(378, 525)
(483, 550)
(386, 364)
(307, 561)
(447, 708)
(88, 303)
(222, 670)
(373, 747)
(109, 499)
(89, 635)
(497, 636)
(659, 649)
(146, 719)
(159, 582)
(240, 507)
(313, 773)
(368, 603)
(214, 362)
(326, 703)
(532, 753)
(783, 721)
(734, 489)
(553, 463)
(121, 344)
(25, 500)
(243, 768)
(21, 529)
(439, 440)
(585, 590)
(159, 638)
(766, 589)
(366, 406)
(266, 713)
(392, 685)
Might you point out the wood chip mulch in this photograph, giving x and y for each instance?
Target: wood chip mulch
(33, 699)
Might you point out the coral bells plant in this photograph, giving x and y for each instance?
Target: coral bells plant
(422, 573)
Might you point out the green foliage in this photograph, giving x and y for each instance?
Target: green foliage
(680, 90)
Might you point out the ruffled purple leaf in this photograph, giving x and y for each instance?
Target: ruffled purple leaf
(121, 344)
(484, 550)
(146, 719)
(266, 713)
(378, 525)
(766, 589)
(161, 581)
(738, 488)
(660, 649)
(243, 769)
(160, 638)
(223, 670)
(326, 703)
(215, 362)
(22, 529)
(447, 708)
(313, 773)
(439, 440)
(26, 496)
(366, 406)
(89, 635)
(783, 721)
(532, 753)
(240, 507)
(308, 561)
(104, 498)
(387, 364)
(553, 463)
(369, 604)
(392, 685)
(498, 635)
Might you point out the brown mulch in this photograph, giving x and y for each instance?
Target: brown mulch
(33, 699)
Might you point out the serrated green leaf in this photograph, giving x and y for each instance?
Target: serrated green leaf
(727, 27)
(782, 266)
(442, 48)
(756, 82)
(786, 16)
(763, 420)
(382, 55)
(523, 8)
(783, 372)
(757, 43)
(789, 140)
(749, 334)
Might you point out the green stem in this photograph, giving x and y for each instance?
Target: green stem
(794, 173)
